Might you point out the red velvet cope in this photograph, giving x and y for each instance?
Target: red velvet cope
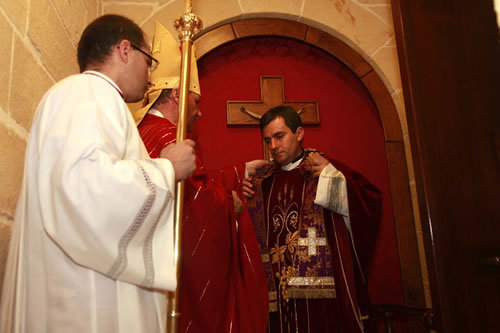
(222, 279)
(365, 207)
(350, 130)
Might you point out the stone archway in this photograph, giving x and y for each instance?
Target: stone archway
(413, 290)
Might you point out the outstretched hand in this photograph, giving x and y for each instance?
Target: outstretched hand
(182, 157)
(257, 167)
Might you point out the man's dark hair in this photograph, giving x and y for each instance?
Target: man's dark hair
(163, 98)
(102, 34)
(289, 115)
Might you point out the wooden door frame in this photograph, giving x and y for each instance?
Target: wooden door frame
(412, 282)
(448, 55)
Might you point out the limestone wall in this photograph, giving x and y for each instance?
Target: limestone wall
(39, 39)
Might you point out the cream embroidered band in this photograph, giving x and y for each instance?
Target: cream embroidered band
(311, 281)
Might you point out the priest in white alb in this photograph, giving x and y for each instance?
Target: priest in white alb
(92, 243)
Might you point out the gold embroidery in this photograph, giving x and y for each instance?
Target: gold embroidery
(286, 272)
(287, 213)
(313, 271)
(291, 241)
(277, 222)
(303, 257)
(294, 218)
(278, 253)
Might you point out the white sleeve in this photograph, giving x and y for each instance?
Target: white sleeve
(332, 191)
(104, 203)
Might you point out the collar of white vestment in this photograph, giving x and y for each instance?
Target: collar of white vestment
(106, 78)
(155, 112)
(292, 165)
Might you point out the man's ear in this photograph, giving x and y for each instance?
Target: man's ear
(175, 95)
(124, 49)
(300, 133)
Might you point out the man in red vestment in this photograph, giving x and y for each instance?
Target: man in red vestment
(223, 284)
(307, 211)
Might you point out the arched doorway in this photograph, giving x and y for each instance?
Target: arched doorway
(401, 208)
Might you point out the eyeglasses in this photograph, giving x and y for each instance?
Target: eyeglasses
(152, 61)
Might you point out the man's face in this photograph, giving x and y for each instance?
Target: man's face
(283, 145)
(193, 110)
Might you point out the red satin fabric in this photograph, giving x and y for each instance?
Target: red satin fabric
(223, 286)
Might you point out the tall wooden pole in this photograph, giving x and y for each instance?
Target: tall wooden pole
(187, 25)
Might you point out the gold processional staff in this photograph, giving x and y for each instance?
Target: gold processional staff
(187, 26)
